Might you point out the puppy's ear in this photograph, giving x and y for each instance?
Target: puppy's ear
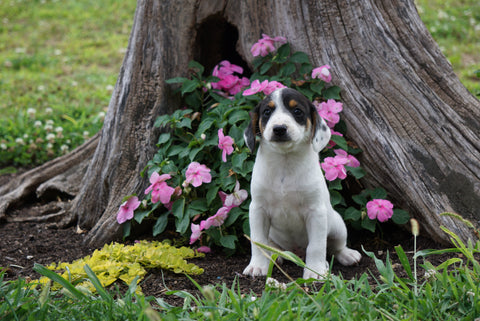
(250, 134)
(320, 132)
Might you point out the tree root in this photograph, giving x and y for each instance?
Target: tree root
(58, 176)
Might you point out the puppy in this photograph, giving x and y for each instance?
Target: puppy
(290, 206)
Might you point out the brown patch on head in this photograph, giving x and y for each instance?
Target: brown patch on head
(271, 104)
(292, 103)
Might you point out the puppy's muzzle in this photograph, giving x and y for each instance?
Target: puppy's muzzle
(280, 133)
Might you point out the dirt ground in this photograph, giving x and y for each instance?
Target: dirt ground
(23, 244)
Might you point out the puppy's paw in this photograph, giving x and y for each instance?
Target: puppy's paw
(254, 270)
(319, 274)
(348, 256)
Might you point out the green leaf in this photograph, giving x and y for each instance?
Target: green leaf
(357, 172)
(400, 216)
(160, 224)
(176, 80)
(197, 66)
(212, 193)
(283, 53)
(265, 67)
(369, 224)
(188, 86)
(340, 141)
(228, 241)
(378, 193)
(238, 115)
(140, 215)
(352, 213)
(288, 69)
(178, 208)
(299, 58)
(360, 199)
(204, 126)
(197, 207)
(238, 160)
(335, 198)
(163, 138)
(404, 261)
(317, 87)
(332, 93)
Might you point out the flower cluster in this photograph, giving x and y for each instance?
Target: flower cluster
(204, 153)
(230, 83)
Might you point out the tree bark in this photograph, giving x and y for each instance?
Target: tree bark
(417, 124)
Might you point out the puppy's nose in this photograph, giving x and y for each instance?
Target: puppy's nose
(280, 130)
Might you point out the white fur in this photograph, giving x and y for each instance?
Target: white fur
(290, 206)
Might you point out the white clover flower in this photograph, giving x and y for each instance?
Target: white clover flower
(20, 50)
(49, 122)
(37, 124)
(86, 134)
(41, 88)
(429, 274)
(50, 137)
(48, 111)
(31, 112)
(8, 64)
(101, 115)
(25, 136)
(64, 149)
(49, 146)
(48, 127)
(3, 146)
(58, 129)
(109, 88)
(442, 14)
(57, 52)
(19, 141)
(74, 83)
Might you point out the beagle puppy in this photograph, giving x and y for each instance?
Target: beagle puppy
(290, 207)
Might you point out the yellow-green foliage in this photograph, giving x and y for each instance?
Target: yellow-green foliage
(125, 262)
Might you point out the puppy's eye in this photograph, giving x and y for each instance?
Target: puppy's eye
(298, 112)
(267, 112)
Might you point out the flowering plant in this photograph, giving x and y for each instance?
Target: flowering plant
(200, 176)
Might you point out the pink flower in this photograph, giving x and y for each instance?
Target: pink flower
(215, 220)
(323, 73)
(225, 143)
(351, 160)
(334, 168)
(159, 188)
(329, 111)
(125, 212)
(197, 174)
(196, 232)
(229, 82)
(266, 45)
(265, 86)
(379, 209)
(204, 249)
(234, 199)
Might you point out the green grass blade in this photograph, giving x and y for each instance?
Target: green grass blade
(404, 261)
(96, 283)
(57, 278)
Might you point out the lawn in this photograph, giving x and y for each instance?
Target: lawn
(59, 61)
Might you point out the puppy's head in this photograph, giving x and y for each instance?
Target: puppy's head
(286, 118)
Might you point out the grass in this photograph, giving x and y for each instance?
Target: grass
(59, 61)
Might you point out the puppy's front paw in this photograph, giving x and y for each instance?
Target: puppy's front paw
(348, 256)
(319, 272)
(255, 270)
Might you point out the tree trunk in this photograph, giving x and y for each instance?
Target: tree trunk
(417, 124)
